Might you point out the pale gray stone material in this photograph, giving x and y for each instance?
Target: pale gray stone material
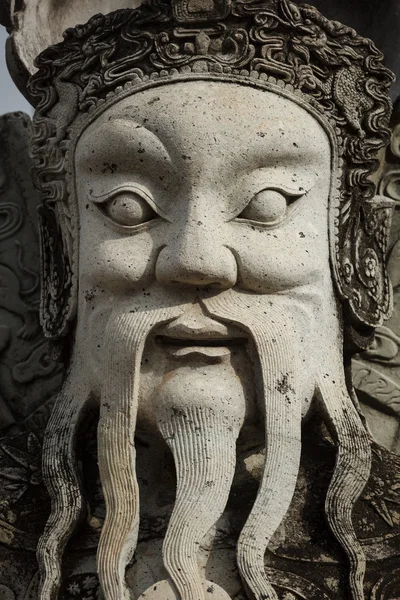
(213, 253)
(216, 195)
(177, 198)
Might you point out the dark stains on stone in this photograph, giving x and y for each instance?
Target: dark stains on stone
(109, 168)
(283, 386)
(89, 295)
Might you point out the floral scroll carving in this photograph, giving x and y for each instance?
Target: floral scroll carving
(376, 371)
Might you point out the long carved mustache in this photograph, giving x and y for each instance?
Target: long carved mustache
(278, 350)
(125, 336)
(61, 477)
(274, 334)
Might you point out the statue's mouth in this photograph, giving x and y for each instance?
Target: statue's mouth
(196, 333)
(212, 347)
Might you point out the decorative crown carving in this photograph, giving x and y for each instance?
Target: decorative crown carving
(291, 49)
(188, 11)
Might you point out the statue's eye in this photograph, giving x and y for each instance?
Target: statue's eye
(129, 209)
(268, 206)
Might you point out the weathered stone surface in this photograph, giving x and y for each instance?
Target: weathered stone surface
(213, 252)
(29, 22)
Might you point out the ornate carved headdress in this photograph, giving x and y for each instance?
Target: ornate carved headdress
(272, 44)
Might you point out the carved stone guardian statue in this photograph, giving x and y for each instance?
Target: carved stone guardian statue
(213, 253)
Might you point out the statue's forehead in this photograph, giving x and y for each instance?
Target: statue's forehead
(200, 109)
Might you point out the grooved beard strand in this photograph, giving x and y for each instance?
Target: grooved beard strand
(278, 354)
(351, 473)
(203, 443)
(126, 335)
(60, 474)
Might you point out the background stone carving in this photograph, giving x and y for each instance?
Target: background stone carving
(376, 373)
(28, 377)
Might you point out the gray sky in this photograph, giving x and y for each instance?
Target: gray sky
(10, 98)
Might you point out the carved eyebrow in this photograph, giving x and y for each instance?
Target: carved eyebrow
(153, 137)
(277, 178)
(118, 126)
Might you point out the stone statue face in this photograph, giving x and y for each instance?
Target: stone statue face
(202, 184)
(192, 189)
(205, 304)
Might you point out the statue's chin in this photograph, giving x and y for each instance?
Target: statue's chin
(165, 590)
(183, 376)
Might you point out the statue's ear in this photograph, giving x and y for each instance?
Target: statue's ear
(58, 295)
(363, 270)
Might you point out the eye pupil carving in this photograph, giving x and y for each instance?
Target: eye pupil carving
(268, 206)
(129, 209)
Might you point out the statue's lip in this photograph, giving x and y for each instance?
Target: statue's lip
(198, 334)
(208, 341)
(199, 329)
(211, 347)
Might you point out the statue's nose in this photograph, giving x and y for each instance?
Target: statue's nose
(197, 257)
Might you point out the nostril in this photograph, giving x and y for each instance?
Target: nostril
(200, 284)
(215, 284)
(176, 266)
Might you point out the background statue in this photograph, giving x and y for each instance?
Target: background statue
(213, 253)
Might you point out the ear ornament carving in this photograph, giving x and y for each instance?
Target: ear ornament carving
(56, 273)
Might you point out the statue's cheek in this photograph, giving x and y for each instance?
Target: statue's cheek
(271, 261)
(118, 265)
